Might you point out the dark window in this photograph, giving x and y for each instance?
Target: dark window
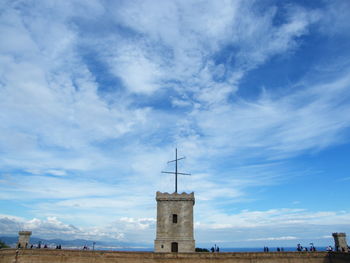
(174, 218)
(174, 247)
(162, 246)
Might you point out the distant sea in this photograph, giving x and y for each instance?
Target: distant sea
(261, 249)
(228, 249)
(79, 243)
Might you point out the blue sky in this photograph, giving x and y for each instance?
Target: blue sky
(95, 96)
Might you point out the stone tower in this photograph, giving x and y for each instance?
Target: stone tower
(340, 242)
(174, 222)
(23, 239)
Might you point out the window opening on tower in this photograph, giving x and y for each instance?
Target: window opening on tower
(175, 218)
(174, 247)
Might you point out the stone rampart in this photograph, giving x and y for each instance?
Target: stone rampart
(175, 197)
(83, 256)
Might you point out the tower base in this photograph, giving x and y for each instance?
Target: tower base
(174, 245)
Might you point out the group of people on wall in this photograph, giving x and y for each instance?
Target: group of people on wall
(215, 248)
(38, 246)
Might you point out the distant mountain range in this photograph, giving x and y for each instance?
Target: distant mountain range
(77, 243)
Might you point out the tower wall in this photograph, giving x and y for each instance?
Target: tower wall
(340, 242)
(23, 239)
(179, 208)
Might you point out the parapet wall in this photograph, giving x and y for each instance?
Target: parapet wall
(175, 197)
(83, 256)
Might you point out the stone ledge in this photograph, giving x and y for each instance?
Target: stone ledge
(83, 256)
(25, 233)
(175, 197)
(339, 234)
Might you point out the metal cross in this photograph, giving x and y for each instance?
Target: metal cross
(176, 172)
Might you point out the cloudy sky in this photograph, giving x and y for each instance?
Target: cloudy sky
(96, 95)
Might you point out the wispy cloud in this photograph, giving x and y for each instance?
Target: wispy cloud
(273, 238)
(280, 217)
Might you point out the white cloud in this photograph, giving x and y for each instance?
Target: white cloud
(335, 18)
(273, 217)
(120, 230)
(248, 226)
(179, 42)
(61, 106)
(52, 187)
(309, 119)
(273, 238)
(139, 73)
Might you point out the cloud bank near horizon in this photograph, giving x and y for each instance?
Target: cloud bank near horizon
(244, 227)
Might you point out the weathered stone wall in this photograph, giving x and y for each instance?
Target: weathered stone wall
(80, 256)
(180, 232)
(23, 238)
(340, 242)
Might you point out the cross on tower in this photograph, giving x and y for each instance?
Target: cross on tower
(176, 172)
